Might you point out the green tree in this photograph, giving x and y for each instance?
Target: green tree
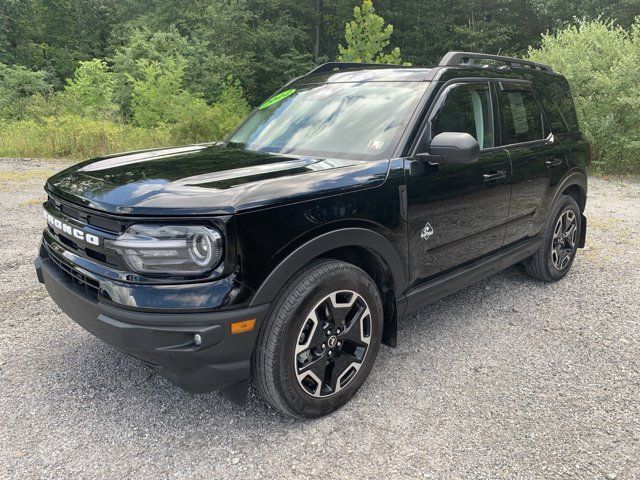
(255, 41)
(151, 46)
(17, 85)
(198, 122)
(92, 89)
(367, 38)
(602, 64)
(158, 97)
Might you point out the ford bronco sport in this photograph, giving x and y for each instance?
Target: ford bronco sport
(288, 253)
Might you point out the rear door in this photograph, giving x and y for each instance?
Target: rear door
(457, 213)
(535, 156)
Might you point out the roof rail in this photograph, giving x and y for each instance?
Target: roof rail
(331, 66)
(468, 58)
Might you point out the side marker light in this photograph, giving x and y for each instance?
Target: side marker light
(243, 326)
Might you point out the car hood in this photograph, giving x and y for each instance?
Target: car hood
(207, 179)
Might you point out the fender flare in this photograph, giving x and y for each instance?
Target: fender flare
(346, 237)
(577, 178)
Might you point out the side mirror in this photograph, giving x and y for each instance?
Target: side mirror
(453, 148)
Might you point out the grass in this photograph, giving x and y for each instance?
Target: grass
(73, 137)
(33, 202)
(25, 175)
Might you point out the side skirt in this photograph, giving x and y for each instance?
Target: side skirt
(451, 282)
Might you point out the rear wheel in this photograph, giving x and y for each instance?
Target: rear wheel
(317, 346)
(555, 257)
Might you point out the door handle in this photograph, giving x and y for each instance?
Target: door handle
(556, 162)
(488, 177)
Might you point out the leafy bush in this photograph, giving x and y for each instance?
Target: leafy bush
(158, 98)
(89, 93)
(91, 89)
(39, 106)
(70, 135)
(602, 64)
(141, 46)
(198, 122)
(73, 136)
(82, 120)
(17, 84)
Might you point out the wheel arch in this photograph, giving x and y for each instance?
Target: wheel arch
(577, 193)
(379, 271)
(574, 185)
(364, 248)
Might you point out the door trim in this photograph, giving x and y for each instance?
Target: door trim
(424, 128)
(448, 283)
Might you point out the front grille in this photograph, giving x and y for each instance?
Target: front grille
(103, 225)
(81, 283)
(69, 211)
(94, 219)
(66, 241)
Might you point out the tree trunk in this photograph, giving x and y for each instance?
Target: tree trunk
(319, 11)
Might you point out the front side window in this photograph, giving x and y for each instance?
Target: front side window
(467, 109)
(521, 120)
(359, 121)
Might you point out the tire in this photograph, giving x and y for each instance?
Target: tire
(304, 325)
(548, 264)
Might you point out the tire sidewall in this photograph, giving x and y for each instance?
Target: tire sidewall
(348, 278)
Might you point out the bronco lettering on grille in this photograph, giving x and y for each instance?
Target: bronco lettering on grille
(70, 230)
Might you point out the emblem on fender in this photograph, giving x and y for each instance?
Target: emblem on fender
(427, 231)
(70, 230)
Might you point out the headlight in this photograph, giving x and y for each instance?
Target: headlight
(169, 249)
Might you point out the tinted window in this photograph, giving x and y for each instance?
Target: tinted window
(466, 108)
(555, 95)
(521, 120)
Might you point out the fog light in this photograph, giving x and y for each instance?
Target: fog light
(197, 339)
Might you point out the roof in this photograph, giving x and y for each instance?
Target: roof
(334, 72)
(367, 73)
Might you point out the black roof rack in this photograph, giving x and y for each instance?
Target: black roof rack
(332, 66)
(452, 59)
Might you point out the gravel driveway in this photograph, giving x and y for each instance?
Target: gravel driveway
(507, 379)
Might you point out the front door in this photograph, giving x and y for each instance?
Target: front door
(457, 213)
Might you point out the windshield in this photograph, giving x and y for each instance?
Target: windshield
(359, 121)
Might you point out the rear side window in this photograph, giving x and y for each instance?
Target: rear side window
(520, 117)
(466, 108)
(555, 95)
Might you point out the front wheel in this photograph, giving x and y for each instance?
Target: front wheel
(320, 341)
(555, 257)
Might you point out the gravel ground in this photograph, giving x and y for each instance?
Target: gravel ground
(507, 379)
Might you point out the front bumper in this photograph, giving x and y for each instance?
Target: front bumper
(164, 341)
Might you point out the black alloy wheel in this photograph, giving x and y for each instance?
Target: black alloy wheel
(320, 339)
(564, 239)
(332, 343)
(560, 242)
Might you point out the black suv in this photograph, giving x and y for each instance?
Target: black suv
(288, 253)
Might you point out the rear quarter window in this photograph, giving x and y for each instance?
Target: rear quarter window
(555, 95)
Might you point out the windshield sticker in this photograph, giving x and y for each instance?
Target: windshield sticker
(277, 98)
(375, 144)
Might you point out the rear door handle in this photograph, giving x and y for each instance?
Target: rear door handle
(556, 162)
(488, 177)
